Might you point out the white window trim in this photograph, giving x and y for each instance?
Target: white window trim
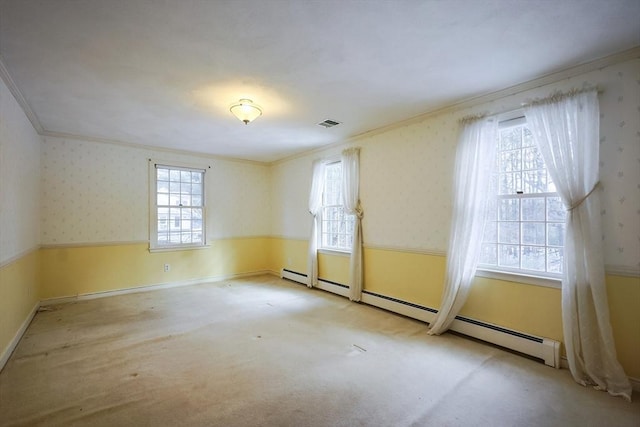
(518, 277)
(336, 252)
(153, 220)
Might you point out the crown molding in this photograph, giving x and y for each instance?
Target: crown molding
(13, 88)
(547, 79)
(65, 135)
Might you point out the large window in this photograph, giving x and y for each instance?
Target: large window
(337, 227)
(178, 207)
(525, 229)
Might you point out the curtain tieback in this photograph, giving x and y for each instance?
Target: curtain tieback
(579, 202)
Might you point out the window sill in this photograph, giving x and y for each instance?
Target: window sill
(336, 252)
(547, 282)
(177, 248)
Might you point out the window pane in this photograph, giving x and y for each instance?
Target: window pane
(174, 219)
(554, 260)
(533, 234)
(534, 181)
(490, 232)
(527, 137)
(163, 238)
(162, 174)
(556, 234)
(163, 187)
(174, 187)
(509, 256)
(532, 159)
(509, 232)
(510, 161)
(185, 200)
(174, 238)
(186, 238)
(196, 200)
(533, 258)
(509, 210)
(510, 183)
(533, 209)
(185, 176)
(174, 175)
(196, 188)
(510, 138)
(555, 209)
(489, 254)
(163, 199)
(196, 177)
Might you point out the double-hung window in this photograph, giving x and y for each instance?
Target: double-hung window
(337, 227)
(177, 207)
(524, 233)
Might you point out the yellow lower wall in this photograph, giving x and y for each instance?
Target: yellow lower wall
(18, 295)
(418, 278)
(69, 271)
(409, 276)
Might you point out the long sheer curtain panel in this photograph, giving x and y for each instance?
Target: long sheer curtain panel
(351, 202)
(315, 209)
(566, 129)
(475, 160)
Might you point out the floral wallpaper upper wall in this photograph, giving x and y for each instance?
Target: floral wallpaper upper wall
(99, 193)
(20, 147)
(620, 163)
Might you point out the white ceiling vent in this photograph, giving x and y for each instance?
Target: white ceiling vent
(328, 123)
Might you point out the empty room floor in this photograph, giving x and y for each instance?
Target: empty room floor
(266, 352)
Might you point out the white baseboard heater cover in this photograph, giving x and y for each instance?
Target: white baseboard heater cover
(545, 349)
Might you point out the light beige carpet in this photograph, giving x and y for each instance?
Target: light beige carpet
(266, 352)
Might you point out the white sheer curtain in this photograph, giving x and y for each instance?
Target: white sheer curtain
(566, 130)
(351, 202)
(475, 159)
(315, 207)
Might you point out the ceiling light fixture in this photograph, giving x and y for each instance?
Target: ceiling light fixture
(246, 111)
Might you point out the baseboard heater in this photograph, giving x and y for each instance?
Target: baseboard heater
(541, 348)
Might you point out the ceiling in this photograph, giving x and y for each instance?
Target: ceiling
(164, 73)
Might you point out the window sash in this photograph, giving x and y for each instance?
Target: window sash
(336, 229)
(177, 214)
(517, 241)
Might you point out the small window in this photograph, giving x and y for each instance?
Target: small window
(178, 209)
(524, 232)
(337, 227)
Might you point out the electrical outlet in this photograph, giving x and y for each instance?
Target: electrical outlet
(167, 267)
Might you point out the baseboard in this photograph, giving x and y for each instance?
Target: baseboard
(6, 354)
(147, 288)
(545, 349)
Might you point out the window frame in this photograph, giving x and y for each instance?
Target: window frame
(346, 217)
(154, 246)
(534, 277)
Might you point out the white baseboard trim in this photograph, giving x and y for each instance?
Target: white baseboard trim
(147, 288)
(6, 353)
(542, 348)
